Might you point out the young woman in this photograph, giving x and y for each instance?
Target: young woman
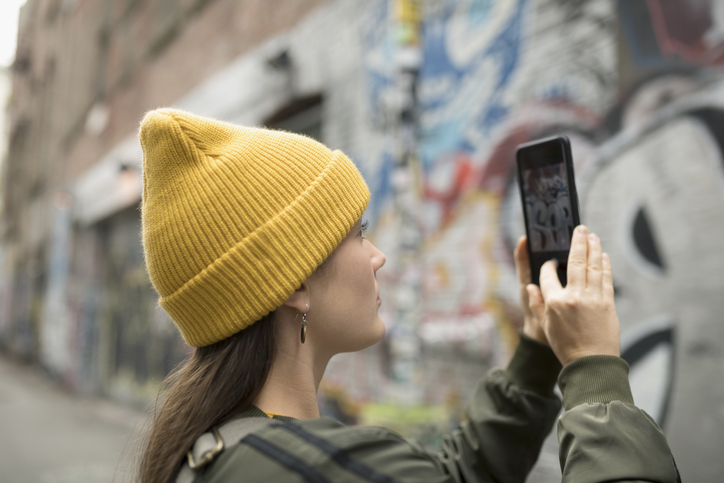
(253, 239)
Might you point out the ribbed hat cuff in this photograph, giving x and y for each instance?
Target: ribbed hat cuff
(248, 281)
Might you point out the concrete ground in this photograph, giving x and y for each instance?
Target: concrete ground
(50, 436)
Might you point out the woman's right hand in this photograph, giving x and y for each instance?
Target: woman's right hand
(579, 320)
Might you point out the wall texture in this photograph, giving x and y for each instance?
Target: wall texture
(637, 87)
(75, 295)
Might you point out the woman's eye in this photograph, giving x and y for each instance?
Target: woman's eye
(363, 228)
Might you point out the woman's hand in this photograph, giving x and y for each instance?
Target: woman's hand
(531, 324)
(578, 320)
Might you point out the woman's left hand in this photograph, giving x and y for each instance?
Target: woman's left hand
(531, 325)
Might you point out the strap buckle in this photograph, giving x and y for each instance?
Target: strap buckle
(208, 456)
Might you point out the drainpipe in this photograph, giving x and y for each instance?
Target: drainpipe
(407, 181)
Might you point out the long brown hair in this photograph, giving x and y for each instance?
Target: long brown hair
(216, 381)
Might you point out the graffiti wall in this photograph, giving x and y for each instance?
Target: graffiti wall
(140, 343)
(637, 87)
(102, 329)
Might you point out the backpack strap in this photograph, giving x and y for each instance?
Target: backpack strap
(212, 443)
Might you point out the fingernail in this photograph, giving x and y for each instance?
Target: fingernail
(592, 237)
(606, 258)
(583, 230)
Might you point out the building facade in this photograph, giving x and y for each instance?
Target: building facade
(429, 99)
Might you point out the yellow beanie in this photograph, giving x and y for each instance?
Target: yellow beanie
(236, 218)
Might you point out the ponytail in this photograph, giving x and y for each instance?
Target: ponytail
(218, 380)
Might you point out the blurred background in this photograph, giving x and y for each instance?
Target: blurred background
(429, 98)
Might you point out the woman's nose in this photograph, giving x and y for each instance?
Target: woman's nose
(378, 258)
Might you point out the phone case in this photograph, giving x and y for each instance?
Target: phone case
(537, 259)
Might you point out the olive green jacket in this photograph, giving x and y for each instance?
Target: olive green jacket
(603, 436)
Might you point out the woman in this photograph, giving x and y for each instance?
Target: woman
(253, 239)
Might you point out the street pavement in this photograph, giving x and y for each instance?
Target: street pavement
(50, 436)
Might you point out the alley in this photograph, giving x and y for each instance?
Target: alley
(50, 436)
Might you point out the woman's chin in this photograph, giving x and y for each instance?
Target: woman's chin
(379, 330)
(370, 338)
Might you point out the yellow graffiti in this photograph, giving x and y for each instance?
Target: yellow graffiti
(408, 14)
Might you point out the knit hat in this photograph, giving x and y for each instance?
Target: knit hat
(236, 218)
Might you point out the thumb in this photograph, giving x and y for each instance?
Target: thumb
(549, 282)
(535, 301)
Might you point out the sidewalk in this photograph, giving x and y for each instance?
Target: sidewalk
(50, 436)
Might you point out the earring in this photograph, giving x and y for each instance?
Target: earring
(304, 324)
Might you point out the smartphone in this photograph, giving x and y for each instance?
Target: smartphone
(550, 201)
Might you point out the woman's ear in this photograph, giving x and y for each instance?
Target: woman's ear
(299, 300)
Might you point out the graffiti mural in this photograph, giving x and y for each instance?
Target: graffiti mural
(663, 223)
(635, 86)
(103, 331)
(141, 343)
(548, 204)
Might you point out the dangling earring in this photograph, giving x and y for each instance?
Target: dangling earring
(304, 324)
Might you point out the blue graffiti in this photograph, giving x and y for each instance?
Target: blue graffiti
(437, 66)
(441, 138)
(378, 40)
(382, 186)
(479, 12)
(506, 50)
(450, 96)
(444, 81)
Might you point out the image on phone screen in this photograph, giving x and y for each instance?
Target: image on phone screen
(548, 204)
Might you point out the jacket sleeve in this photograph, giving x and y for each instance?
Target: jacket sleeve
(602, 435)
(510, 415)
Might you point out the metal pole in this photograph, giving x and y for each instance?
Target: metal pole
(404, 341)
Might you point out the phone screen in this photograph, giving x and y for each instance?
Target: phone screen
(550, 204)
